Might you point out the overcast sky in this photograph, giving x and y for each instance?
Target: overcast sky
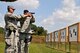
(51, 14)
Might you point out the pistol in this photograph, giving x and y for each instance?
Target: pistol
(32, 12)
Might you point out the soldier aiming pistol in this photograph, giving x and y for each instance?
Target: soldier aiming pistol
(24, 31)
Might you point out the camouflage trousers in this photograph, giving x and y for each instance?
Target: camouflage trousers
(11, 40)
(16, 43)
(24, 46)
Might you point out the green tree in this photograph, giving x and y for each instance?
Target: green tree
(1, 30)
(38, 30)
(33, 27)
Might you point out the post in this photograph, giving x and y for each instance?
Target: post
(79, 38)
(67, 41)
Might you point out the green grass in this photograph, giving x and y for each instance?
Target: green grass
(2, 47)
(41, 48)
(74, 48)
(62, 46)
(34, 48)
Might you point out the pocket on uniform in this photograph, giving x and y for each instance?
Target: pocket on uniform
(8, 41)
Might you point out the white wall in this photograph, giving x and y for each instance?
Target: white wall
(48, 37)
(63, 35)
(73, 33)
(52, 37)
(56, 36)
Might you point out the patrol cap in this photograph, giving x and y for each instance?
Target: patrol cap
(11, 7)
(26, 11)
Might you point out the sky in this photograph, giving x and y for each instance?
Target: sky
(50, 14)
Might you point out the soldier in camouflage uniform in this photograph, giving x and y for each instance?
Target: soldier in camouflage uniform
(25, 36)
(11, 31)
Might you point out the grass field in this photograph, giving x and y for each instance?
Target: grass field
(35, 48)
(2, 47)
(41, 48)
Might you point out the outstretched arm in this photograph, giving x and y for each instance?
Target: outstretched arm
(32, 19)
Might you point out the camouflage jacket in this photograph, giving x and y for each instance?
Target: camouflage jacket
(11, 20)
(25, 24)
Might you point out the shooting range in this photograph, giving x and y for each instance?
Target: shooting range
(48, 40)
(56, 34)
(53, 40)
(25, 27)
(62, 39)
(73, 32)
(66, 39)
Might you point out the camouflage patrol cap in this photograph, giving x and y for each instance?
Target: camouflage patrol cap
(11, 7)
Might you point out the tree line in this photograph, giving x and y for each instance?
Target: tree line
(1, 30)
(37, 30)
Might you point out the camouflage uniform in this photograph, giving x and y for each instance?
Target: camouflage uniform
(11, 33)
(24, 33)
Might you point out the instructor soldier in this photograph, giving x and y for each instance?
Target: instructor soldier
(11, 31)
